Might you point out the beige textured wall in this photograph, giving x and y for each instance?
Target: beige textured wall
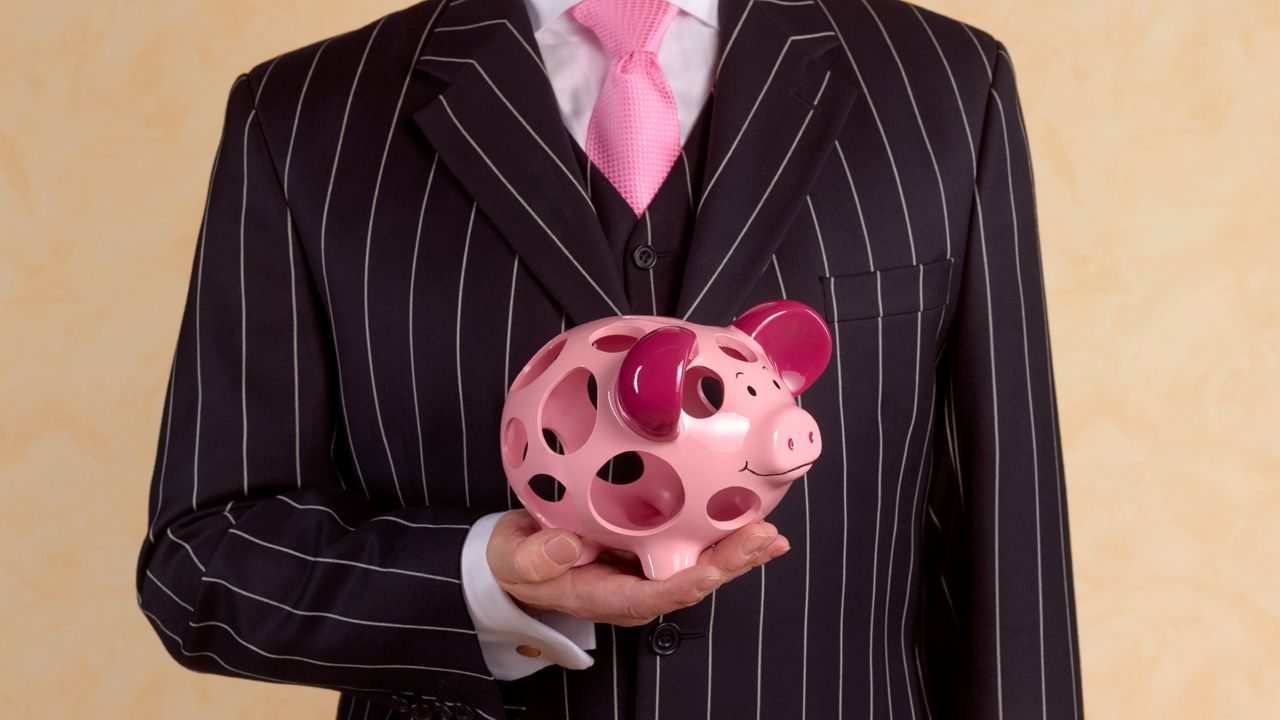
(1156, 140)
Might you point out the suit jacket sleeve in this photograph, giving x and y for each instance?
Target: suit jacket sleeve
(998, 631)
(261, 560)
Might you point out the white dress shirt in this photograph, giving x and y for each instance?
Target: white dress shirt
(576, 64)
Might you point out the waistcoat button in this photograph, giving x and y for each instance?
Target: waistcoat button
(644, 257)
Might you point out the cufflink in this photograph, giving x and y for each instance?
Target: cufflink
(529, 650)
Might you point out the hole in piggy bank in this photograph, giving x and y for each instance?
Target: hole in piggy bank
(703, 392)
(548, 499)
(552, 441)
(732, 503)
(616, 338)
(515, 443)
(568, 415)
(539, 364)
(735, 348)
(546, 487)
(648, 502)
(622, 469)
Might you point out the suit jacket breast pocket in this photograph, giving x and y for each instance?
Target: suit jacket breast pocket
(891, 291)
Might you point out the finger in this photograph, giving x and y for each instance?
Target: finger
(747, 547)
(518, 556)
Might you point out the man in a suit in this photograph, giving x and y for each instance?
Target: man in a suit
(400, 216)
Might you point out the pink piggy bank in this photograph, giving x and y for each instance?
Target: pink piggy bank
(660, 437)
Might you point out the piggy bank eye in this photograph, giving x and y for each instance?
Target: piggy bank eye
(751, 391)
(775, 384)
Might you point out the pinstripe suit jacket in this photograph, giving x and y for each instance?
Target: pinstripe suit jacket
(395, 221)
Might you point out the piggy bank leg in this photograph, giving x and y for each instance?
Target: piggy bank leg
(589, 552)
(662, 563)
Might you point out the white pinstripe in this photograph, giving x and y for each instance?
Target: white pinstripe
(985, 64)
(808, 552)
(947, 594)
(764, 196)
(183, 648)
(1026, 354)
(747, 122)
(591, 281)
(1053, 411)
(333, 616)
(293, 283)
(875, 558)
(321, 508)
(337, 561)
(169, 592)
(407, 523)
(995, 437)
(711, 623)
(657, 680)
(915, 505)
(954, 438)
(204, 235)
(368, 249)
(227, 511)
(192, 553)
(893, 536)
(333, 441)
(457, 345)
(923, 694)
(324, 258)
(613, 654)
(413, 363)
(653, 295)
(844, 459)
(244, 345)
(326, 663)
(760, 644)
(687, 180)
(506, 361)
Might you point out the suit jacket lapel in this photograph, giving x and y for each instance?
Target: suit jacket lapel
(781, 94)
(497, 126)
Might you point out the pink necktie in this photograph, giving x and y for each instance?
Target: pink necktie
(634, 133)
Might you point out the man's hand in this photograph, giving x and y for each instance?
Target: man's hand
(534, 566)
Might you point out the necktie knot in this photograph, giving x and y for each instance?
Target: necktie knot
(626, 26)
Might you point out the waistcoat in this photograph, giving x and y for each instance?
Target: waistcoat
(652, 247)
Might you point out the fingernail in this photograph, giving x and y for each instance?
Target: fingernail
(561, 550)
(757, 543)
(708, 583)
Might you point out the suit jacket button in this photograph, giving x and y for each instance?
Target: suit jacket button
(463, 712)
(644, 257)
(665, 638)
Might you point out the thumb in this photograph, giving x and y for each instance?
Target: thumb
(545, 555)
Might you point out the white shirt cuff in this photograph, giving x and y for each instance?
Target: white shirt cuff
(502, 626)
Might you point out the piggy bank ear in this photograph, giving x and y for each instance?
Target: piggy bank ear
(794, 337)
(651, 382)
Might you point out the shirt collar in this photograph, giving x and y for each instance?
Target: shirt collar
(542, 12)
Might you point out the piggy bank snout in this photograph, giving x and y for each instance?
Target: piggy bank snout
(792, 441)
